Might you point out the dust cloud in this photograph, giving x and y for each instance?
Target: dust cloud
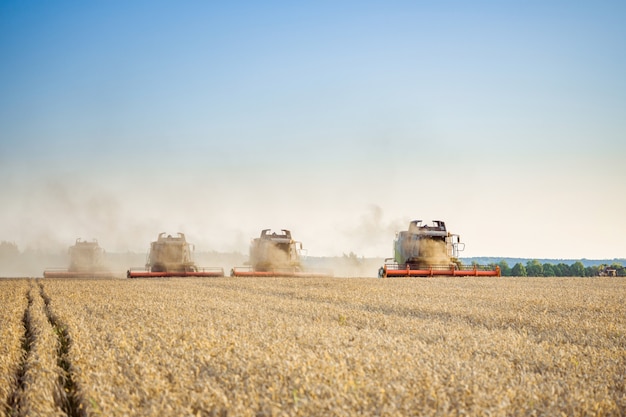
(373, 235)
(46, 214)
(268, 256)
(433, 252)
(348, 265)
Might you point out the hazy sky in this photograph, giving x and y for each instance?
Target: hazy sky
(341, 121)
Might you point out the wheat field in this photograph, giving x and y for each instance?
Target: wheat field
(301, 347)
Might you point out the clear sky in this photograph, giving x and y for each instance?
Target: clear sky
(341, 121)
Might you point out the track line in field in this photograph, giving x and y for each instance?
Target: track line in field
(535, 332)
(70, 401)
(405, 312)
(28, 339)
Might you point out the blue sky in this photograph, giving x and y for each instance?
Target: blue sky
(507, 120)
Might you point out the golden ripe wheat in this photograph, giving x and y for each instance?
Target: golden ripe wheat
(272, 347)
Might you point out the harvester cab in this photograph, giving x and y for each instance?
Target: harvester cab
(275, 254)
(428, 250)
(87, 260)
(426, 245)
(275, 250)
(170, 256)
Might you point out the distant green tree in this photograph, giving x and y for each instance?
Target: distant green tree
(534, 268)
(518, 270)
(562, 270)
(591, 271)
(505, 269)
(548, 270)
(577, 269)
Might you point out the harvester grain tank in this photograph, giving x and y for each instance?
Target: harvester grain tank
(426, 250)
(275, 255)
(87, 260)
(170, 256)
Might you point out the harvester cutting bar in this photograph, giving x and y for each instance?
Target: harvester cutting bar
(204, 273)
(64, 273)
(393, 270)
(278, 272)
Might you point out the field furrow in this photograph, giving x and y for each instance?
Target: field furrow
(13, 304)
(35, 389)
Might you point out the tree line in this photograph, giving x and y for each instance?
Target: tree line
(534, 268)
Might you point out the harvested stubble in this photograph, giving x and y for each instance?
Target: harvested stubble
(255, 347)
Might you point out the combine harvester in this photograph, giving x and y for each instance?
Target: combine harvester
(171, 257)
(430, 250)
(275, 255)
(86, 261)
